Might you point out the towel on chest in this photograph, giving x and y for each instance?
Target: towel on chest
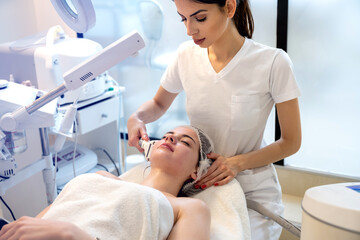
(227, 203)
(113, 209)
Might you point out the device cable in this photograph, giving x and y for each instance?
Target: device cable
(7, 206)
(103, 166)
(111, 159)
(121, 121)
(67, 122)
(75, 146)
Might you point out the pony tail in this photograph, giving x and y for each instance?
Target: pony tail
(243, 19)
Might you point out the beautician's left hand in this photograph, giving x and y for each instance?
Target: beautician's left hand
(221, 172)
(41, 229)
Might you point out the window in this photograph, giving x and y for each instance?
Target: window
(322, 41)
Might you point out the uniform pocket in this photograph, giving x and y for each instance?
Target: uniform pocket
(262, 181)
(244, 112)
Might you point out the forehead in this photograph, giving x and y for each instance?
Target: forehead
(187, 7)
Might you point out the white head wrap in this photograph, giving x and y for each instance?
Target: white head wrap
(206, 147)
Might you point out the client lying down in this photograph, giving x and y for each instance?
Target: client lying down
(101, 206)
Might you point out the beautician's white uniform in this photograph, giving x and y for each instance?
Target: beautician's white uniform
(232, 107)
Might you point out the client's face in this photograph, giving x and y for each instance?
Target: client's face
(177, 152)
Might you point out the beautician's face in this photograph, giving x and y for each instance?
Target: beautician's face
(205, 23)
(177, 151)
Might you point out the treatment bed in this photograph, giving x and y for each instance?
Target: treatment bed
(228, 207)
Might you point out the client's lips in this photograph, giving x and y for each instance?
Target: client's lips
(199, 41)
(168, 146)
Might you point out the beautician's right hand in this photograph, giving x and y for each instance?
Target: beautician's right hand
(136, 131)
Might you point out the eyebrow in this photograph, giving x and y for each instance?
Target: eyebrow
(183, 135)
(199, 11)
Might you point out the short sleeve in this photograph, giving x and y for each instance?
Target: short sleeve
(171, 79)
(283, 85)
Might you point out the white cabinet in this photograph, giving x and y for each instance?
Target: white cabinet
(97, 115)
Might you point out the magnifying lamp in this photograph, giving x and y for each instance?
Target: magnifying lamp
(79, 15)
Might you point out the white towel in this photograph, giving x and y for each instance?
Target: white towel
(113, 209)
(229, 214)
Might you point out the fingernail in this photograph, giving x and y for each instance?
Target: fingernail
(196, 186)
(216, 184)
(203, 186)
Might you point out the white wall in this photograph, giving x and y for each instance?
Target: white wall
(15, 18)
(21, 18)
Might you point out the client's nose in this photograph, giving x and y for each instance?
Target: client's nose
(172, 139)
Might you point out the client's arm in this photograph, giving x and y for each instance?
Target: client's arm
(192, 220)
(107, 174)
(42, 213)
(41, 229)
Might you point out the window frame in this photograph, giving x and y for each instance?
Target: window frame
(281, 42)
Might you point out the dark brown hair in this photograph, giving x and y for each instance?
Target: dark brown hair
(243, 18)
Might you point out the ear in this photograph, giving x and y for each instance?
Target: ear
(193, 175)
(230, 8)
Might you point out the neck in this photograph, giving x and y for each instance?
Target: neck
(163, 182)
(226, 47)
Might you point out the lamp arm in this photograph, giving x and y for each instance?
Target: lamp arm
(76, 77)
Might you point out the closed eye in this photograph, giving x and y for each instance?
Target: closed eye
(197, 19)
(201, 19)
(186, 143)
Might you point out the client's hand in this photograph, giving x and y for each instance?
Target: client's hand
(41, 229)
(221, 172)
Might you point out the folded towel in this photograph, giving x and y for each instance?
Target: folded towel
(113, 209)
(229, 214)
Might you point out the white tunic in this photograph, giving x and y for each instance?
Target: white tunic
(232, 106)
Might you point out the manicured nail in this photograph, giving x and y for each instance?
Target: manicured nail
(197, 186)
(216, 184)
(203, 186)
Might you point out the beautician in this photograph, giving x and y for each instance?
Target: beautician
(231, 85)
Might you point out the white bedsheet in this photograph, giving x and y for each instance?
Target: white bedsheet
(229, 214)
